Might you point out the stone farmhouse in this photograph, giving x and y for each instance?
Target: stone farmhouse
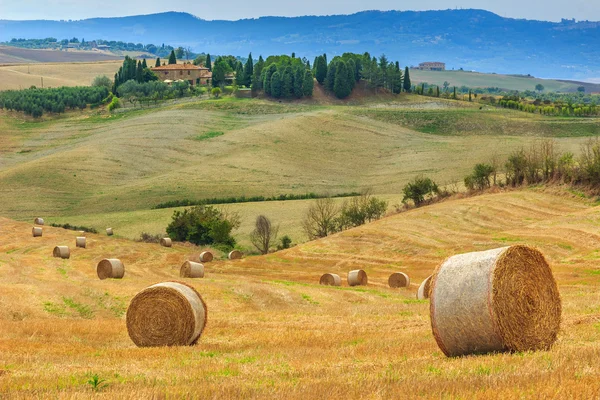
(194, 74)
(432, 66)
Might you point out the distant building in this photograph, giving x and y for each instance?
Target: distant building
(194, 74)
(432, 66)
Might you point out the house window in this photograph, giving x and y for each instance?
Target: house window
(188, 72)
(166, 73)
(180, 72)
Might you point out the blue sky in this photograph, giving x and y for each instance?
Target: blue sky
(552, 10)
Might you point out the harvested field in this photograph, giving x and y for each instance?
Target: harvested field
(10, 54)
(271, 321)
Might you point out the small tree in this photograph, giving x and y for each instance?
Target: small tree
(102, 81)
(203, 225)
(172, 58)
(419, 190)
(285, 243)
(264, 234)
(407, 83)
(320, 219)
(581, 89)
(157, 64)
(539, 87)
(216, 92)
(208, 62)
(480, 178)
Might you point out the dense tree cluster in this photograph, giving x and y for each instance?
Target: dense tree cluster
(283, 77)
(132, 70)
(343, 72)
(35, 101)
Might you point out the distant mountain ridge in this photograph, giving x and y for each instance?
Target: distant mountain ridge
(470, 39)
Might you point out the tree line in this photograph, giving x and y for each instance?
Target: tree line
(35, 102)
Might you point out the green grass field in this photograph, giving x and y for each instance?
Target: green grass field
(97, 169)
(479, 80)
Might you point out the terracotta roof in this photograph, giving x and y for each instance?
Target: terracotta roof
(178, 67)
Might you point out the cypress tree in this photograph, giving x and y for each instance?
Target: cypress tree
(454, 92)
(267, 84)
(341, 87)
(299, 82)
(208, 64)
(407, 83)
(139, 72)
(240, 78)
(144, 64)
(257, 83)
(437, 91)
(470, 96)
(157, 62)
(308, 84)
(330, 79)
(276, 85)
(248, 71)
(287, 83)
(351, 72)
(320, 69)
(172, 58)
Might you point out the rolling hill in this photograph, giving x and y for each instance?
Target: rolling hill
(273, 332)
(470, 39)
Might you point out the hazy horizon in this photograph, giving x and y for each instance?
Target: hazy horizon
(545, 10)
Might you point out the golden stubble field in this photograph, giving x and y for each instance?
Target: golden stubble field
(273, 332)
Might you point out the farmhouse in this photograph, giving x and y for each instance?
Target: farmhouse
(432, 66)
(194, 74)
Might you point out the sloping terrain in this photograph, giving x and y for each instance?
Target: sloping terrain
(273, 332)
(10, 55)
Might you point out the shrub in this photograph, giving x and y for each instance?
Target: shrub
(114, 104)
(285, 242)
(146, 237)
(203, 225)
(480, 178)
(102, 81)
(215, 92)
(419, 190)
(360, 210)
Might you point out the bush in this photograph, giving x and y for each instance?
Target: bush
(360, 210)
(114, 104)
(285, 242)
(419, 190)
(480, 178)
(102, 81)
(215, 92)
(74, 227)
(146, 237)
(203, 225)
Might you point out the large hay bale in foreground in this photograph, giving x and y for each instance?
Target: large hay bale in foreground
(166, 242)
(498, 300)
(80, 241)
(399, 280)
(235, 255)
(39, 221)
(423, 292)
(206, 256)
(110, 268)
(357, 278)
(109, 232)
(191, 269)
(166, 314)
(36, 231)
(61, 252)
(330, 280)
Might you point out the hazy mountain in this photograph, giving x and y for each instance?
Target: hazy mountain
(469, 39)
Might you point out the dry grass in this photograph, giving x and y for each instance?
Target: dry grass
(273, 332)
(22, 76)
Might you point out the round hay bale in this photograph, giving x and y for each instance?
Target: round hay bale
(423, 292)
(39, 221)
(80, 242)
(235, 255)
(36, 231)
(497, 300)
(206, 256)
(166, 314)
(61, 252)
(330, 280)
(357, 278)
(109, 231)
(191, 269)
(110, 268)
(399, 280)
(166, 242)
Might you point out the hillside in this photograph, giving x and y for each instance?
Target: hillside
(89, 163)
(273, 332)
(15, 55)
(470, 39)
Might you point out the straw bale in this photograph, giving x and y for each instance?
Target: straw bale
(109, 231)
(80, 241)
(110, 268)
(191, 269)
(206, 256)
(331, 280)
(36, 231)
(39, 221)
(166, 242)
(357, 278)
(235, 255)
(166, 314)
(497, 300)
(399, 280)
(423, 292)
(61, 252)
